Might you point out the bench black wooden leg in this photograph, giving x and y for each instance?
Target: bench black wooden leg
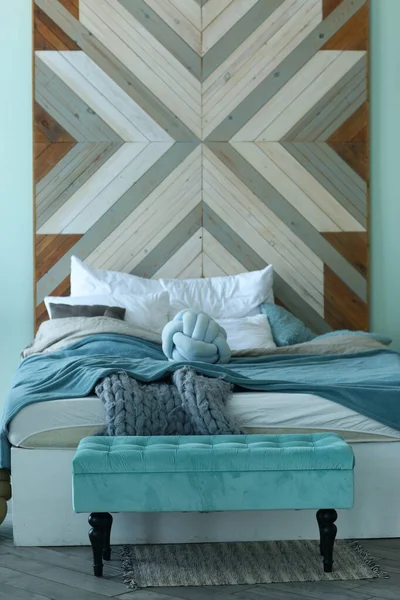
(327, 529)
(99, 535)
(107, 546)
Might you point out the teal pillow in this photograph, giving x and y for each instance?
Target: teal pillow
(383, 339)
(286, 328)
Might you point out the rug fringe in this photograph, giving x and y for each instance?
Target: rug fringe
(128, 568)
(368, 560)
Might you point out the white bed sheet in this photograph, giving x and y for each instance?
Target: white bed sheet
(62, 423)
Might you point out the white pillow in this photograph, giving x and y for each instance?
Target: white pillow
(86, 281)
(233, 296)
(248, 333)
(148, 312)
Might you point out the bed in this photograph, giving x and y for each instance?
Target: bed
(44, 437)
(344, 382)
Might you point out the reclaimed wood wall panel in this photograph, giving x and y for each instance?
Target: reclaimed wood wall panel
(185, 138)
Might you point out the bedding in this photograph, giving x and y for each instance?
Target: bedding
(232, 296)
(63, 423)
(354, 371)
(148, 312)
(189, 404)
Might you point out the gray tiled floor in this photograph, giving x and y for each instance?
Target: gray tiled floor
(65, 574)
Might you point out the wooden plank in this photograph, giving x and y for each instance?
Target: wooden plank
(194, 270)
(39, 147)
(272, 83)
(147, 225)
(158, 28)
(210, 268)
(228, 184)
(48, 127)
(222, 23)
(328, 6)
(236, 35)
(291, 123)
(222, 95)
(48, 36)
(343, 309)
(140, 125)
(337, 115)
(353, 35)
(355, 155)
(50, 156)
(252, 262)
(246, 214)
(50, 248)
(68, 176)
(353, 246)
(225, 260)
(116, 214)
(330, 178)
(63, 289)
(72, 6)
(273, 109)
(65, 107)
(190, 10)
(184, 254)
(354, 129)
(178, 22)
(304, 181)
(350, 178)
(212, 9)
(290, 216)
(145, 57)
(117, 71)
(104, 188)
(284, 185)
(84, 78)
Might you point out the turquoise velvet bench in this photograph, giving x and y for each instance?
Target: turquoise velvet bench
(211, 473)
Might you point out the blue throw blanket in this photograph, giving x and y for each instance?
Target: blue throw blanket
(367, 382)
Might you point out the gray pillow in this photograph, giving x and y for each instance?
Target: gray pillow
(62, 311)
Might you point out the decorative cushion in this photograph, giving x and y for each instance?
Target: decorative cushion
(63, 311)
(194, 336)
(287, 329)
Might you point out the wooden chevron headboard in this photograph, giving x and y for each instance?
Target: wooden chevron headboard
(190, 138)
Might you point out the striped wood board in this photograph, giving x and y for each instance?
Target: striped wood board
(189, 138)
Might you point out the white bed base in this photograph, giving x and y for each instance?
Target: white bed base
(43, 516)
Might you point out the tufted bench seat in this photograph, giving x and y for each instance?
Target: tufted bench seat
(211, 473)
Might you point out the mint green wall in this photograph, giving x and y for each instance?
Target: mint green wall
(16, 239)
(385, 168)
(16, 243)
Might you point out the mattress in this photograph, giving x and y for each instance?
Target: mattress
(63, 423)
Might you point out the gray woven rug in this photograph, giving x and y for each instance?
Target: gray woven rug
(175, 565)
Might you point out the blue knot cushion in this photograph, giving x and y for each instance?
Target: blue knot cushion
(287, 329)
(194, 336)
(206, 473)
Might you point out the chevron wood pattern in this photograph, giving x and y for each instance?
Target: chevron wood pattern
(183, 138)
